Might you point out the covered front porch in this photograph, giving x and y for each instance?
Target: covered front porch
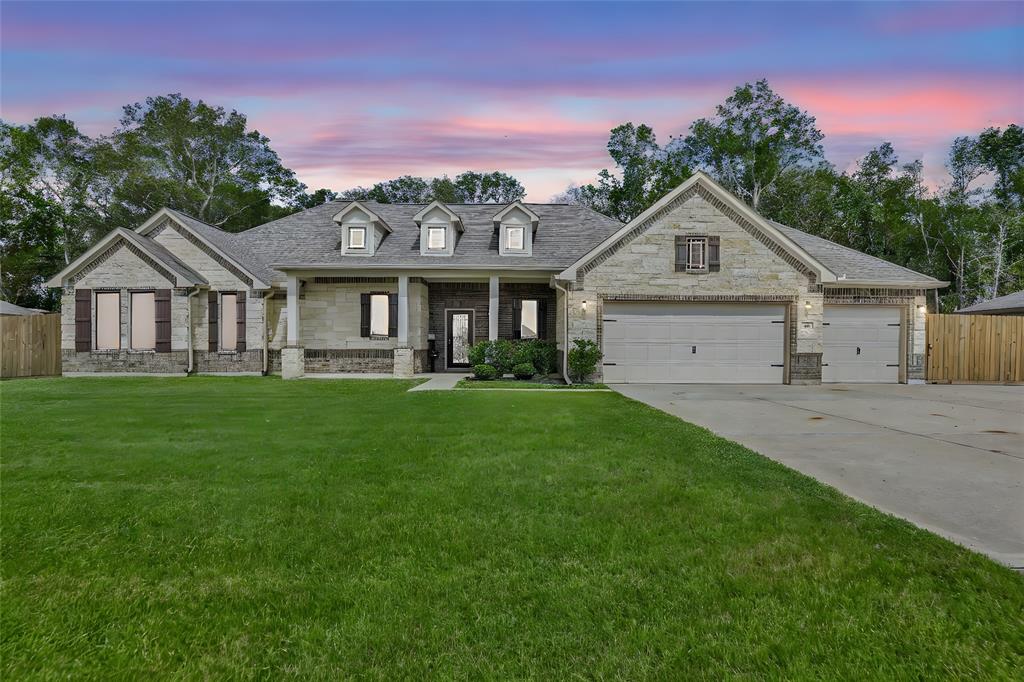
(403, 323)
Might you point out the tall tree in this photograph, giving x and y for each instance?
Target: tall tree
(467, 188)
(198, 158)
(753, 140)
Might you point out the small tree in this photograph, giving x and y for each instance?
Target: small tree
(583, 359)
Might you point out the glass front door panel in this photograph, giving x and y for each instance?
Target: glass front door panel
(460, 338)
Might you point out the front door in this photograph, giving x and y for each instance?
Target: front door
(459, 334)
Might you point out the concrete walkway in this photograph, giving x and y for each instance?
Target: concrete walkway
(947, 458)
(442, 381)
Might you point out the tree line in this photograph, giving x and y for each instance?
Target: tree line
(969, 231)
(63, 190)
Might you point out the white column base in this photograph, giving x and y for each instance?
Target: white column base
(293, 362)
(404, 363)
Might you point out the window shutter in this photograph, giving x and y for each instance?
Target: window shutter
(213, 317)
(680, 253)
(162, 317)
(393, 315)
(542, 319)
(240, 323)
(517, 319)
(714, 249)
(364, 315)
(83, 319)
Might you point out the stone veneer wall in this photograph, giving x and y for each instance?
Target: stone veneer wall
(642, 267)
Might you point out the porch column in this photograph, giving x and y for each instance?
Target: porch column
(293, 355)
(403, 310)
(492, 310)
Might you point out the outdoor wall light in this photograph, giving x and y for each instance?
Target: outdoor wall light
(807, 305)
(922, 309)
(584, 305)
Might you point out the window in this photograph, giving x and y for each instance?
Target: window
(143, 320)
(379, 321)
(228, 322)
(108, 321)
(514, 237)
(695, 251)
(357, 237)
(528, 320)
(435, 238)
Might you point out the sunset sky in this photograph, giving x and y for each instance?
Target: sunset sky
(354, 93)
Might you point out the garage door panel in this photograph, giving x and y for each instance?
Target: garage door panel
(655, 342)
(861, 344)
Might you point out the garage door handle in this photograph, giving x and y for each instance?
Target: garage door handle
(858, 350)
(824, 364)
(778, 365)
(609, 364)
(896, 365)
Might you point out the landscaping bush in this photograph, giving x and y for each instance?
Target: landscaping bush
(478, 353)
(485, 372)
(524, 370)
(504, 355)
(541, 354)
(583, 358)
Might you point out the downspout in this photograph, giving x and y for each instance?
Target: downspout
(565, 332)
(190, 349)
(266, 334)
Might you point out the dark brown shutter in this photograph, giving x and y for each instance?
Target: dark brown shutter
(240, 323)
(542, 319)
(364, 315)
(714, 251)
(517, 319)
(393, 315)
(83, 319)
(162, 315)
(213, 317)
(680, 254)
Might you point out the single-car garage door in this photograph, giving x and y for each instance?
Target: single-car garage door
(862, 344)
(723, 343)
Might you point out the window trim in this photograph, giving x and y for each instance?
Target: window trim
(508, 234)
(131, 319)
(357, 228)
(387, 314)
(96, 320)
(443, 229)
(220, 322)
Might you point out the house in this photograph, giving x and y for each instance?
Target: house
(698, 288)
(8, 309)
(1011, 304)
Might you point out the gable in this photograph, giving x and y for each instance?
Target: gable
(218, 272)
(645, 258)
(122, 265)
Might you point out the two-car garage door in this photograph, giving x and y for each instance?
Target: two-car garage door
(704, 343)
(740, 343)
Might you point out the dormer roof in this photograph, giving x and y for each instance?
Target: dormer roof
(453, 217)
(357, 205)
(500, 215)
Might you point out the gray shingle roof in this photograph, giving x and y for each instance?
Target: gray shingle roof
(852, 264)
(311, 237)
(165, 257)
(1004, 304)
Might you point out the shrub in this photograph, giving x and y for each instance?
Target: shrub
(583, 358)
(485, 372)
(541, 354)
(501, 354)
(524, 370)
(478, 352)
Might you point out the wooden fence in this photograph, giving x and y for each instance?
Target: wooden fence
(975, 348)
(29, 345)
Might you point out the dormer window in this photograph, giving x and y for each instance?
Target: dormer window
(516, 225)
(515, 238)
(439, 229)
(357, 237)
(362, 230)
(436, 238)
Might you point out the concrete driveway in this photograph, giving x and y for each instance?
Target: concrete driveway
(947, 458)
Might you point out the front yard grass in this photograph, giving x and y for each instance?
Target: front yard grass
(213, 527)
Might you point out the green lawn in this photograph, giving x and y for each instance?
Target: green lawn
(246, 527)
(515, 383)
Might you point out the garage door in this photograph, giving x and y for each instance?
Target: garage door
(862, 344)
(696, 343)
